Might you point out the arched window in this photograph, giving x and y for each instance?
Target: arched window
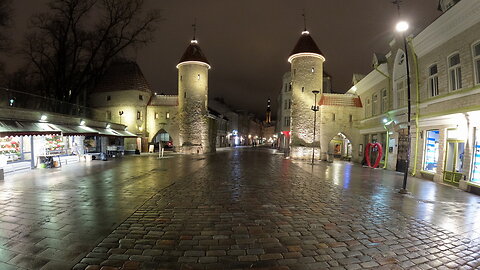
(400, 81)
(454, 72)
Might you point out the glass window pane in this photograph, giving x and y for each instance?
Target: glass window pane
(450, 157)
(477, 70)
(477, 50)
(433, 70)
(454, 60)
(431, 150)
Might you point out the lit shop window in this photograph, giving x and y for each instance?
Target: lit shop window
(431, 150)
(476, 159)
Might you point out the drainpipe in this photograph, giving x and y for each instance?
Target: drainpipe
(417, 106)
(388, 136)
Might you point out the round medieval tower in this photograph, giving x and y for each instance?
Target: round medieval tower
(306, 62)
(192, 101)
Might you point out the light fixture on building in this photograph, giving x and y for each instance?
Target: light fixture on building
(140, 128)
(43, 118)
(108, 126)
(385, 120)
(82, 122)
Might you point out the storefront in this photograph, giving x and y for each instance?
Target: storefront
(475, 175)
(454, 157)
(431, 151)
(27, 145)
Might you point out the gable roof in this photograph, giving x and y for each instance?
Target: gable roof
(121, 76)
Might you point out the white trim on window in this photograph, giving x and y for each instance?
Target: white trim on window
(476, 62)
(454, 72)
(432, 81)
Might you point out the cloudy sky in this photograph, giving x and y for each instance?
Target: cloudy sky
(248, 42)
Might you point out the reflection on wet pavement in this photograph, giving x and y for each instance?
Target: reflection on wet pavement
(51, 218)
(247, 208)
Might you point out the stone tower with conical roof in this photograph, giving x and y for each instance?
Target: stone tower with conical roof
(306, 62)
(192, 101)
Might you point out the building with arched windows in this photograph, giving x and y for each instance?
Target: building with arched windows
(444, 64)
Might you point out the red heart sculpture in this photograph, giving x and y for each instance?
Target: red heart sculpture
(379, 157)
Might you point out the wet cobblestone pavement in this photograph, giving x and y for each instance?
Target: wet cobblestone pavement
(249, 209)
(50, 219)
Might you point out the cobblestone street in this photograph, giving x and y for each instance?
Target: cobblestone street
(249, 208)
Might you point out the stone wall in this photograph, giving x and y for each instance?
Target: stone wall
(192, 107)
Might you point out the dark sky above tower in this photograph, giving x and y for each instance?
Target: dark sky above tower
(248, 42)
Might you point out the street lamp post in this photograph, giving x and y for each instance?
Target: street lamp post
(402, 27)
(315, 109)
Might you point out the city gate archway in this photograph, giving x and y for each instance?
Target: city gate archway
(340, 147)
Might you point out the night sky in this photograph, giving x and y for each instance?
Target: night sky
(248, 42)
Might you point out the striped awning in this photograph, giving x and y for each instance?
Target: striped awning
(24, 128)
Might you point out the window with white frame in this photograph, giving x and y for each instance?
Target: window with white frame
(384, 105)
(476, 62)
(374, 104)
(401, 93)
(454, 72)
(368, 108)
(433, 80)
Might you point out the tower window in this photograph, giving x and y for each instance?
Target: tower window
(351, 118)
(313, 69)
(139, 115)
(181, 78)
(109, 98)
(198, 76)
(167, 115)
(333, 117)
(185, 95)
(140, 97)
(156, 115)
(108, 115)
(303, 89)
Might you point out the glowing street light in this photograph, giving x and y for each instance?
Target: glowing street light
(402, 26)
(315, 109)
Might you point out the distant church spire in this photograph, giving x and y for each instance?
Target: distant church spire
(268, 116)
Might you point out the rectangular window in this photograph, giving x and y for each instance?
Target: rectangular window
(198, 76)
(167, 115)
(367, 109)
(290, 87)
(289, 104)
(433, 80)
(185, 95)
(351, 118)
(287, 121)
(108, 115)
(139, 115)
(432, 144)
(303, 89)
(140, 97)
(156, 115)
(374, 104)
(384, 101)
(109, 98)
(285, 104)
(476, 62)
(333, 117)
(455, 72)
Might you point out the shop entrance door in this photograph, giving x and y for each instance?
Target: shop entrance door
(402, 150)
(453, 171)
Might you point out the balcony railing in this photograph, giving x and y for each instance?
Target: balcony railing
(10, 98)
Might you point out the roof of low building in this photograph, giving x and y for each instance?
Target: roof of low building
(121, 76)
